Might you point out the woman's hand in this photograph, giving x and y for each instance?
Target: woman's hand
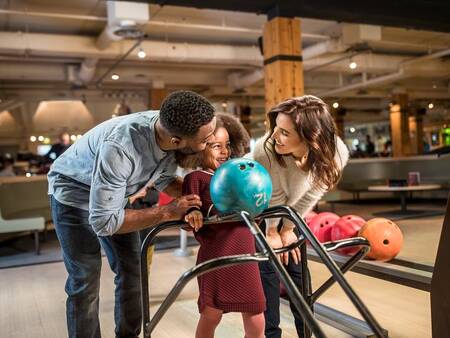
(288, 236)
(194, 219)
(274, 240)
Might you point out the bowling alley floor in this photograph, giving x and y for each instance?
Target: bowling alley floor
(32, 303)
(32, 300)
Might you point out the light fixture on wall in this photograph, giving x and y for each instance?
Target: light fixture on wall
(33, 138)
(115, 77)
(73, 138)
(352, 64)
(141, 54)
(40, 138)
(430, 105)
(352, 129)
(335, 105)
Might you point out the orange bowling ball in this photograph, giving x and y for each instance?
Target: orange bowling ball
(385, 238)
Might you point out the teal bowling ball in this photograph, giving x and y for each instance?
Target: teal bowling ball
(241, 184)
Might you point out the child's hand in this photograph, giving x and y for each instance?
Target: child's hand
(140, 194)
(195, 219)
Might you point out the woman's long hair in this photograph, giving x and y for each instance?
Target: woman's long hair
(315, 126)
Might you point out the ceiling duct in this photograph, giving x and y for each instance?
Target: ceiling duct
(124, 21)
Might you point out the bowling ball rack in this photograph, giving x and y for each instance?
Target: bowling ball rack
(303, 299)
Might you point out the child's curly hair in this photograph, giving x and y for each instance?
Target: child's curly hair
(239, 141)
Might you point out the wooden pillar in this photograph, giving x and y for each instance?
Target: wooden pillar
(400, 125)
(416, 132)
(157, 96)
(283, 63)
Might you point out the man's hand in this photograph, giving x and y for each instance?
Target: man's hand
(178, 208)
(195, 219)
(288, 237)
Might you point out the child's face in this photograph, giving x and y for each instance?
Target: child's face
(218, 150)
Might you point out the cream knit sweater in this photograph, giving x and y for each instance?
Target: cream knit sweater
(291, 185)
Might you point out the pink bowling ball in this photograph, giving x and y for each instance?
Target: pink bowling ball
(347, 226)
(321, 225)
(309, 216)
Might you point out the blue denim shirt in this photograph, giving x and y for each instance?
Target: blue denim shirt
(108, 164)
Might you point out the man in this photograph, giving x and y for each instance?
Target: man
(89, 186)
(58, 148)
(370, 146)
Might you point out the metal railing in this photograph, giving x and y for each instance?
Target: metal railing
(302, 300)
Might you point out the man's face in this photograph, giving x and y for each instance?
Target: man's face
(198, 142)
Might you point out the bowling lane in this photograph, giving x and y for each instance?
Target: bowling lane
(33, 302)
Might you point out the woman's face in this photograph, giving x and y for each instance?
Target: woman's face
(218, 150)
(287, 141)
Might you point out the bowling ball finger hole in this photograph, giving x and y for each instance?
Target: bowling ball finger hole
(242, 167)
(386, 242)
(251, 165)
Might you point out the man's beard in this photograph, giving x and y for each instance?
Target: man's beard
(191, 161)
(187, 151)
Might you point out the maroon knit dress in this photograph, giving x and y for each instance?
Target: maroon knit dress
(232, 289)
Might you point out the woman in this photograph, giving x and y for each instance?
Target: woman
(304, 157)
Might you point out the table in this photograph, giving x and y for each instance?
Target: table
(403, 191)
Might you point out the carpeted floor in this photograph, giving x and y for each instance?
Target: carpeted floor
(20, 251)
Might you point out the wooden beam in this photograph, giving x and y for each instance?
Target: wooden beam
(283, 64)
(400, 126)
(157, 96)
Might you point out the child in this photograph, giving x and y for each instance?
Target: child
(231, 289)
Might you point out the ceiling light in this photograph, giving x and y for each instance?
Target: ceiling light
(430, 105)
(352, 130)
(335, 105)
(73, 137)
(41, 138)
(142, 54)
(115, 77)
(353, 65)
(33, 138)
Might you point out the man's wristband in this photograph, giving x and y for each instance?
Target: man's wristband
(191, 209)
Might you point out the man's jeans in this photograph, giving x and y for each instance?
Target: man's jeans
(82, 258)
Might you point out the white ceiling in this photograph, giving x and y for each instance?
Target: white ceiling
(43, 43)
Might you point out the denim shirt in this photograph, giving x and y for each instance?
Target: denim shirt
(108, 164)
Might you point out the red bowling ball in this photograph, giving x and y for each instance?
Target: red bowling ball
(321, 225)
(347, 226)
(309, 216)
